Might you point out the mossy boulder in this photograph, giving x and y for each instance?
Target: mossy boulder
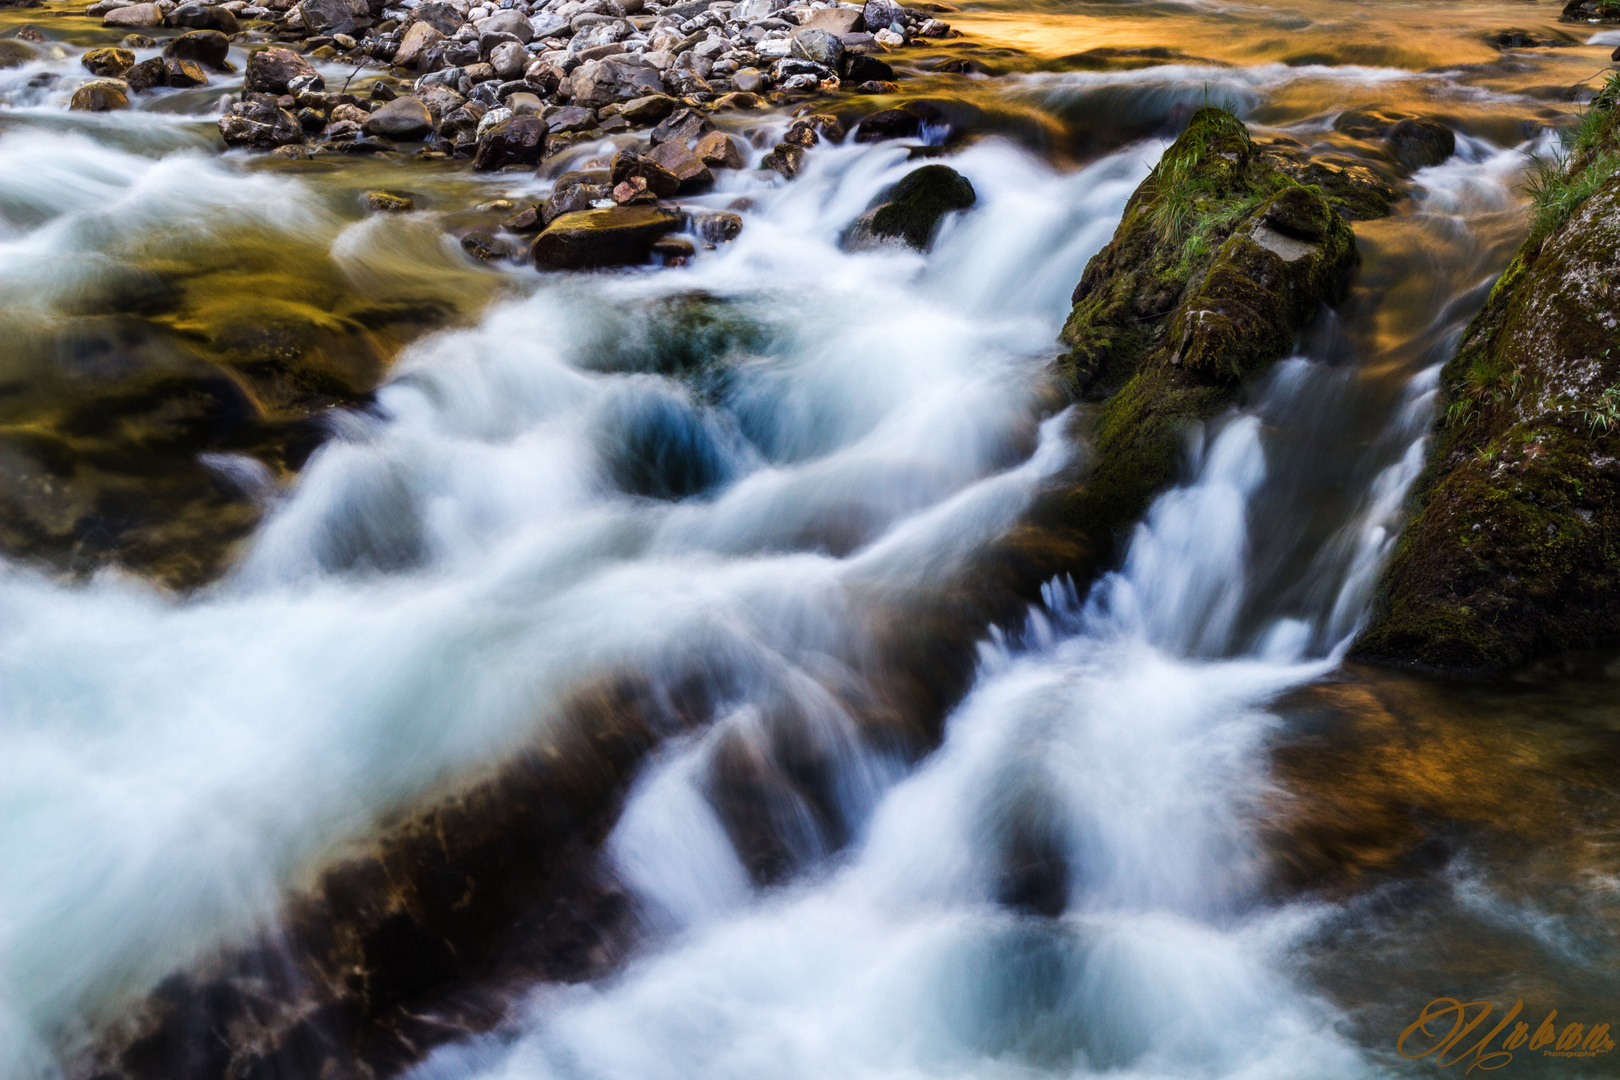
(910, 212)
(1514, 550)
(1219, 262)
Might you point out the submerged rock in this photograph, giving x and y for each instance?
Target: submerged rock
(1219, 262)
(910, 212)
(1514, 551)
(591, 239)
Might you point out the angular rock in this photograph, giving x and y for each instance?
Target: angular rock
(660, 180)
(404, 118)
(508, 22)
(596, 83)
(184, 73)
(910, 212)
(508, 59)
(682, 126)
(689, 171)
(100, 95)
(419, 38)
(334, 16)
(719, 151)
(444, 18)
(786, 159)
(570, 118)
(717, 226)
(519, 141)
(883, 14)
(206, 47)
(592, 239)
(807, 131)
(649, 109)
(571, 198)
(260, 124)
(108, 63)
(269, 70)
(485, 246)
(818, 47)
(147, 74)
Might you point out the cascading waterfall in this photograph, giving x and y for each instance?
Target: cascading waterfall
(749, 468)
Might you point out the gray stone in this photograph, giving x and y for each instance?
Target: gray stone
(818, 46)
(335, 16)
(134, 15)
(603, 82)
(508, 22)
(402, 118)
(508, 59)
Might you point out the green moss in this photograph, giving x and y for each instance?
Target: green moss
(916, 204)
(1512, 551)
(1218, 262)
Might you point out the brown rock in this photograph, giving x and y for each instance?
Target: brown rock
(621, 236)
(786, 159)
(649, 109)
(147, 74)
(809, 130)
(101, 95)
(683, 126)
(660, 181)
(207, 47)
(485, 246)
(717, 226)
(720, 151)
(108, 63)
(184, 73)
(632, 191)
(525, 220)
(403, 118)
(519, 141)
(269, 70)
(692, 173)
(418, 39)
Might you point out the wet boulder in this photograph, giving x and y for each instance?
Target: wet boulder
(1591, 11)
(518, 141)
(203, 17)
(259, 124)
(206, 47)
(1418, 143)
(270, 70)
(134, 15)
(108, 63)
(818, 46)
(1219, 262)
(787, 159)
(719, 151)
(444, 18)
(326, 17)
(419, 39)
(404, 118)
(910, 212)
(183, 74)
(807, 131)
(14, 53)
(100, 95)
(683, 125)
(691, 174)
(861, 69)
(591, 239)
(596, 83)
(147, 74)
(1510, 552)
(904, 122)
(628, 165)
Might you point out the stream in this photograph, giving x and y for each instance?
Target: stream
(1165, 831)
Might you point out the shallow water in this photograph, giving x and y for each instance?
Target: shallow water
(1166, 833)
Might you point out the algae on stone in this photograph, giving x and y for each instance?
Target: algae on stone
(1513, 550)
(1219, 262)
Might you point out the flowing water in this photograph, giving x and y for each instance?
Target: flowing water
(1166, 832)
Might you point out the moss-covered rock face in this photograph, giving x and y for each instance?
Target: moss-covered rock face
(1514, 550)
(1219, 262)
